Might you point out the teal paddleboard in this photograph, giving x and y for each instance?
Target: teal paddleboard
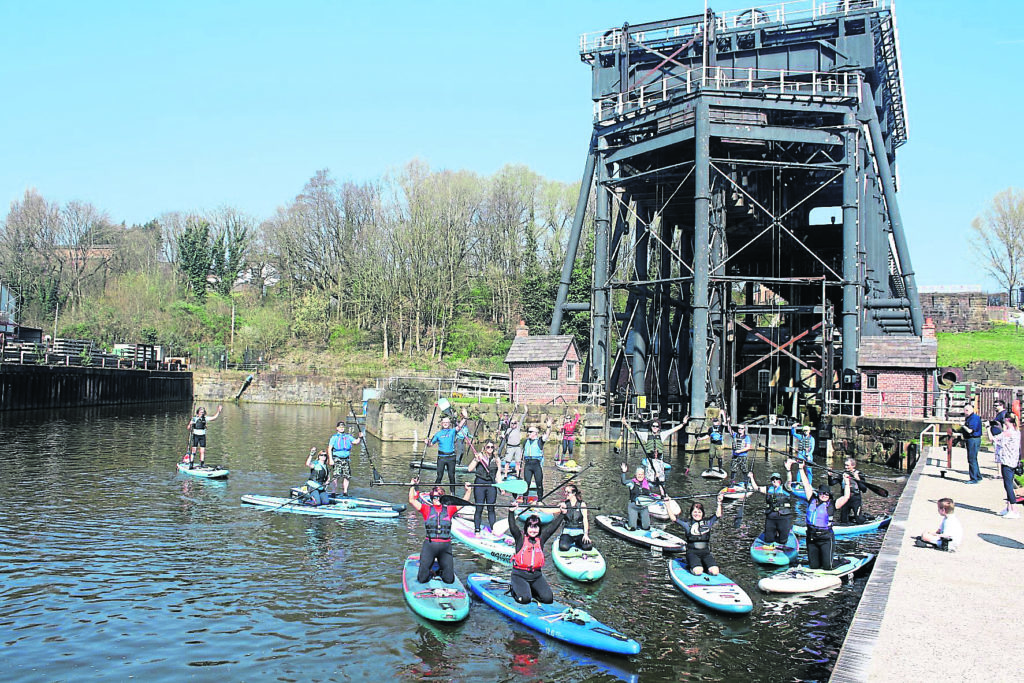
(579, 565)
(435, 599)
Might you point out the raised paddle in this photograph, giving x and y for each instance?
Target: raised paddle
(430, 426)
(514, 486)
(366, 445)
(874, 488)
(455, 500)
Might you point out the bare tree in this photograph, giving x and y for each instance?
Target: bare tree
(999, 238)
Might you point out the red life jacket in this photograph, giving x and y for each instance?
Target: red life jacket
(530, 557)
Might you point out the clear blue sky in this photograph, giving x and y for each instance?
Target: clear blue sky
(142, 108)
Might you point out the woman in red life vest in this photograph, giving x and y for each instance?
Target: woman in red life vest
(437, 545)
(527, 580)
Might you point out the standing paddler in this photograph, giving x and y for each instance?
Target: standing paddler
(445, 440)
(197, 429)
(339, 450)
(487, 468)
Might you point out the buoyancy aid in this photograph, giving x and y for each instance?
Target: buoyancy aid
(698, 534)
(820, 514)
(574, 516)
(778, 500)
(319, 472)
(438, 523)
(530, 557)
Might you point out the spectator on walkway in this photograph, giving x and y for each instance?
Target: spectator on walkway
(1007, 445)
(950, 533)
(972, 436)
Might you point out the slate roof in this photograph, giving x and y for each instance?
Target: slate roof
(897, 352)
(540, 349)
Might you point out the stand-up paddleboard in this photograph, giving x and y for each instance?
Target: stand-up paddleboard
(204, 472)
(364, 502)
(717, 592)
(652, 538)
(738, 491)
(432, 465)
(852, 529)
(655, 506)
(435, 599)
(715, 473)
(344, 507)
(779, 554)
(556, 620)
(568, 466)
(805, 580)
(497, 548)
(545, 514)
(579, 565)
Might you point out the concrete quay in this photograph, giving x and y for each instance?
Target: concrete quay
(931, 615)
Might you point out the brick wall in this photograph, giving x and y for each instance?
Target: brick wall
(899, 393)
(956, 312)
(532, 383)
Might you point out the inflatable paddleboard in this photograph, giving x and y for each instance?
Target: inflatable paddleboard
(655, 506)
(852, 529)
(497, 548)
(652, 538)
(806, 580)
(566, 467)
(579, 565)
(738, 491)
(205, 472)
(435, 599)
(717, 592)
(344, 507)
(775, 553)
(432, 465)
(715, 473)
(556, 620)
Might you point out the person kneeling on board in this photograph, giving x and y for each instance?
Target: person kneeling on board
(698, 536)
(437, 546)
(950, 532)
(637, 513)
(319, 474)
(821, 515)
(527, 580)
(576, 531)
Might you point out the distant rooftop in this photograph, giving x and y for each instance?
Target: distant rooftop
(540, 349)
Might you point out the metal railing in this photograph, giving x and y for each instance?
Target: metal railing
(24, 356)
(878, 403)
(781, 82)
(781, 13)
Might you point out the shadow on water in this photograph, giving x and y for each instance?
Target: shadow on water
(113, 565)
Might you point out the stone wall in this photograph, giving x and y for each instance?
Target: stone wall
(956, 311)
(871, 439)
(272, 387)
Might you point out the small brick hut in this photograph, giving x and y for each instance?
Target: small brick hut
(543, 368)
(896, 374)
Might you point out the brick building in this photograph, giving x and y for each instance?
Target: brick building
(543, 368)
(897, 375)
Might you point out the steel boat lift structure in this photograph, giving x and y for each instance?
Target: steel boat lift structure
(746, 229)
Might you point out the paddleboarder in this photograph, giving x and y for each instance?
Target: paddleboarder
(568, 433)
(654, 449)
(698, 535)
(445, 440)
(716, 434)
(740, 451)
(527, 580)
(513, 460)
(487, 468)
(533, 457)
(803, 447)
(636, 511)
(339, 449)
(576, 528)
(778, 518)
(437, 546)
(197, 429)
(319, 475)
(851, 512)
(821, 515)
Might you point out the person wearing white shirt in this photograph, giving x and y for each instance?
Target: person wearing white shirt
(950, 533)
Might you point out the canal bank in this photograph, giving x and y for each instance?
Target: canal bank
(930, 615)
(39, 386)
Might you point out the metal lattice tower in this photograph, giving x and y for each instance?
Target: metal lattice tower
(746, 222)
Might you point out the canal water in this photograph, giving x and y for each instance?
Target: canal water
(114, 566)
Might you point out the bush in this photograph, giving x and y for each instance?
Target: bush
(411, 400)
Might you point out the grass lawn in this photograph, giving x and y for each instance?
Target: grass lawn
(1004, 342)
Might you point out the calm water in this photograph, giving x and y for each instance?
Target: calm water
(115, 567)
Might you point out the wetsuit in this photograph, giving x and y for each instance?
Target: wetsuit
(460, 442)
(527, 580)
(778, 521)
(533, 464)
(445, 440)
(635, 511)
(820, 537)
(569, 438)
(698, 542)
(484, 493)
(340, 448)
(438, 544)
(572, 531)
(318, 475)
(850, 513)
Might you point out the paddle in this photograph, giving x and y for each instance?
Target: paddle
(743, 501)
(874, 488)
(430, 426)
(514, 486)
(470, 440)
(366, 445)
(563, 484)
(455, 500)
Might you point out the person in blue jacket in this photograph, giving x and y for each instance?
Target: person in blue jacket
(445, 440)
(339, 450)
(972, 435)
(821, 515)
(803, 447)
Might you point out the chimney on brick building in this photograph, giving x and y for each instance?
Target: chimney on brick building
(928, 329)
(522, 330)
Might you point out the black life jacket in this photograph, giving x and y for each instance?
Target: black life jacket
(438, 523)
(319, 473)
(778, 500)
(574, 516)
(698, 534)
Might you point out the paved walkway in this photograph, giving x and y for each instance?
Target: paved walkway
(930, 615)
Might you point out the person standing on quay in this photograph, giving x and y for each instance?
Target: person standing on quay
(972, 437)
(1007, 445)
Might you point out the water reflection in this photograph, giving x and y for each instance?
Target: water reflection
(113, 565)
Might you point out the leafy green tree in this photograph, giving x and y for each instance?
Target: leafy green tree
(195, 256)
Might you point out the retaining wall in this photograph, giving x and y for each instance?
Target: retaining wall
(24, 387)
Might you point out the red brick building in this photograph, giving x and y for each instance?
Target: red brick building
(896, 375)
(544, 368)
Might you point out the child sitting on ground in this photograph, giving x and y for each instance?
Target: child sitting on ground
(950, 532)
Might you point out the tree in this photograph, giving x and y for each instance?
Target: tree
(999, 239)
(232, 238)
(195, 255)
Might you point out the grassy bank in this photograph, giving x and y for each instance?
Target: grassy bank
(1004, 342)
